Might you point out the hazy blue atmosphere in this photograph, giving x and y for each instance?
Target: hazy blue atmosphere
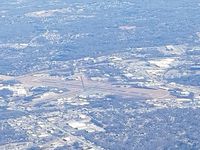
(109, 74)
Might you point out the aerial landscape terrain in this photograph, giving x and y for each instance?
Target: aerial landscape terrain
(99, 75)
